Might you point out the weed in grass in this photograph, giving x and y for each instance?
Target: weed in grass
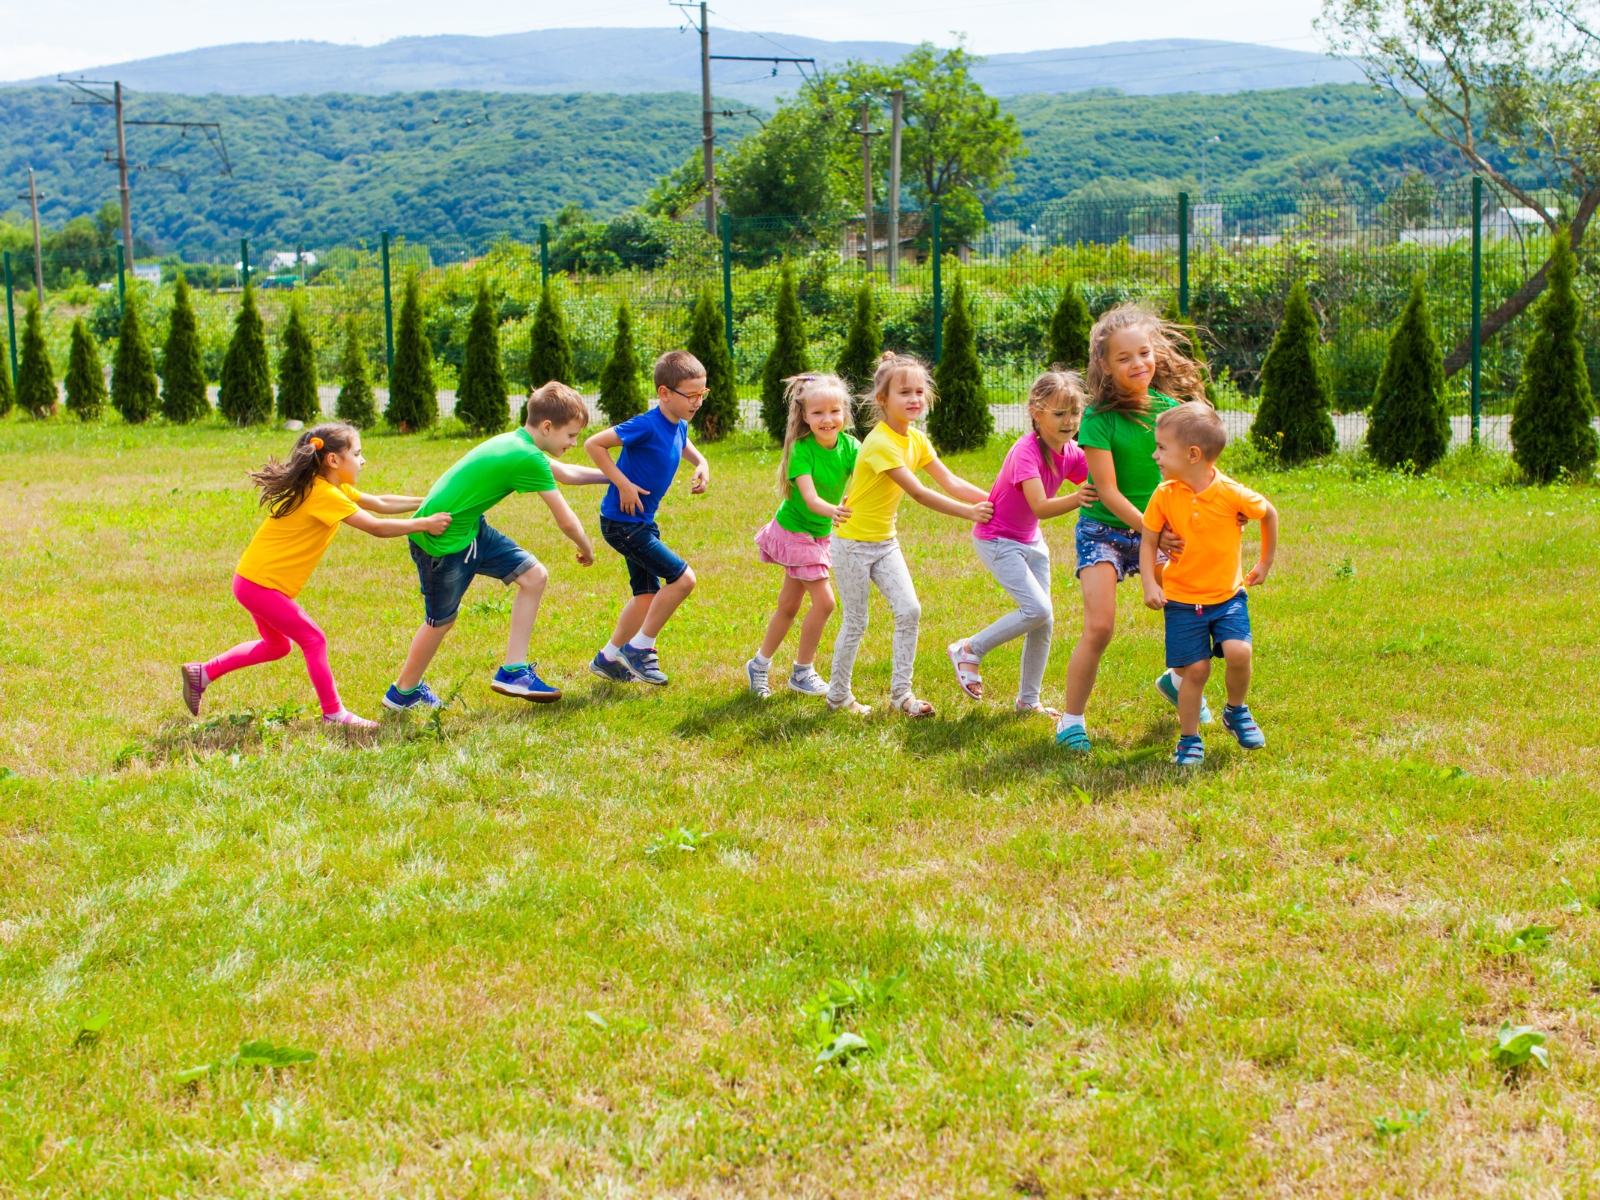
(91, 1026)
(848, 1002)
(667, 846)
(259, 1054)
(1515, 1046)
(1345, 570)
(1391, 1125)
(1530, 939)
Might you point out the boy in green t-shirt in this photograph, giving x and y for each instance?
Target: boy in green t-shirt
(524, 460)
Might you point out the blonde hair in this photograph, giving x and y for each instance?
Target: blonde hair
(1176, 374)
(1196, 425)
(1058, 383)
(797, 390)
(890, 364)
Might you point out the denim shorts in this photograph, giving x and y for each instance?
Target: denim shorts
(446, 579)
(651, 564)
(1195, 632)
(1097, 542)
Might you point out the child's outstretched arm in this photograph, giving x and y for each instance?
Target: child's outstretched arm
(575, 476)
(599, 449)
(567, 521)
(977, 513)
(1154, 597)
(368, 523)
(390, 504)
(808, 492)
(954, 485)
(701, 479)
(1269, 548)
(1044, 509)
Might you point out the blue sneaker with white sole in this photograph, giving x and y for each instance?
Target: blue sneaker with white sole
(420, 696)
(1167, 688)
(1190, 751)
(644, 665)
(1073, 737)
(1242, 725)
(524, 683)
(612, 670)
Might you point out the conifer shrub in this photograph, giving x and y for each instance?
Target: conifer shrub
(858, 362)
(1069, 329)
(1293, 421)
(550, 343)
(1552, 411)
(244, 394)
(960, 419)
(718, 416)
(787, 357)
(481, 400)
(1408, 426)
(621, 394)
(356, 405)
(413, 400)
(8, 395)
(183, 374)
(135, 390)
(36, 380)
(297, 370)
(86, 378)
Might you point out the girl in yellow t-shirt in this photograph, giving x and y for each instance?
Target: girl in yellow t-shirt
(865, 550)
(307, 499)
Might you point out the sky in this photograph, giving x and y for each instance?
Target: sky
(69, 35)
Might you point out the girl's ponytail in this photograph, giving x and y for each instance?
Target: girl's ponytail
(797, 389)
(284, 485)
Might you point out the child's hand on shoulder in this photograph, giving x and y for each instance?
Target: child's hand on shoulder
(437, 523)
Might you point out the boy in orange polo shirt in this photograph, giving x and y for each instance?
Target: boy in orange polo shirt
(1202, 592)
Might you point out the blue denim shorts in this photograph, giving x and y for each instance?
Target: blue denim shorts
(1097, 542)
(446, 579)
(1195, 632)
(651, 564)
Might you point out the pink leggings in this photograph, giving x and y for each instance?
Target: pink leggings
(280, 621)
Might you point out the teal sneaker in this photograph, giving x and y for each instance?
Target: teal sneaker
(1073, 737)
(1167, 688)
(1190, 751)
(1242, 725)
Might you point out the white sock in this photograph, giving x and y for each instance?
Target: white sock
(1070, 719)
(1177, 680)
(610, 651)
(801, 668)
(761, 660)
(640, 642)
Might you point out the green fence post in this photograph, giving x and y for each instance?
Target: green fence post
(388, 314)
(1477, 304)
(544, 254)
(936, 245)
(727, 280)
(1183, 254)
(122, 286)
(11, 322)
(244, 262)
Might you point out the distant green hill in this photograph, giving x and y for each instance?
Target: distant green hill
(319, 169)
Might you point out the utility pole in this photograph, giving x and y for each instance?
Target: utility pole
(867, 134)
(897, 104)
(38, 253)
(707, 133)
(122, 175)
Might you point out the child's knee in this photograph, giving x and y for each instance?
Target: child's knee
(684, 583)
(823, 602)
(1236, 653)
(534, 577)
(1098, 628)
(1197, 672)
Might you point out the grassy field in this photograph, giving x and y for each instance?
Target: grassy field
(597, 949)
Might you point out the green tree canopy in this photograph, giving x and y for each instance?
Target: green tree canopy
(356, 404)
(135, 390)
(719, 414)
(86, 379)
(1069, 329)
(621, 395)
(36, 380)
(1552, 413)
(183, 374)
(960, 418)
(787, 356)
(244, 396)
(1293, 421)
(858, 362)
(413, 399)
(1408, 426)
(481, 399)
(297, 369)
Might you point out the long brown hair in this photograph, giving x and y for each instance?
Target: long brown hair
(284, 485)
(1176, 374)
(1057, 383)
(890, 364)
(797, 389)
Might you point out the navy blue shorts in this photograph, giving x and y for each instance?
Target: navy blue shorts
(651, 563)
(1097, 542)
(446, 579)
(1195, 632)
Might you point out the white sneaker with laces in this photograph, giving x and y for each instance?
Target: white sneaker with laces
(757, 675)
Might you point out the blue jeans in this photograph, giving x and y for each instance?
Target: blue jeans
(1097, 542)
(1195, 632)
(446, 579)
(651, 563)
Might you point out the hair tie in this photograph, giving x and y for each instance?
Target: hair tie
(315, 443)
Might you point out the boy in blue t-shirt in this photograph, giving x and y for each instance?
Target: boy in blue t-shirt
(653, 443)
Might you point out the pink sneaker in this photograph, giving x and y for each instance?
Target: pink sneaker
(194, 686)
(348, 719)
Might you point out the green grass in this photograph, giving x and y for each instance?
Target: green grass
(524, 968)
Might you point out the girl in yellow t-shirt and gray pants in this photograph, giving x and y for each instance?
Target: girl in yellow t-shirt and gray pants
(308, 498)
(864, 548)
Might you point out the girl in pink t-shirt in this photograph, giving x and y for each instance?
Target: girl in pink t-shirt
(1011, 545)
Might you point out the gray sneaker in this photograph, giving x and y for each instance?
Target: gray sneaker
(807, 682)
(757, 675)
(643, 665)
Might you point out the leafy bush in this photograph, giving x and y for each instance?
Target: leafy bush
(356, 405)
(86, 379)
(36, 380)
(183, 377)
(787, 356)
(719, 414)
(135, 390)
(481, 400)
(413, 400)
(1552, 412)
(1409, 426)
(245, 392)
(960, 419)
(621, 395)
(297, 370)
(1293, 421)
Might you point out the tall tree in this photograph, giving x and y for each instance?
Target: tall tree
(36, 379)
(413, 399)
(621, 396)
(549, 343)
(960, 418)
(1408, 425)
(1552, 413)
(1293, 421)
(481, 400)
(356, 405)
(297, 370)
(86, 378)
(787, 356)
(858, 361)
(8, 395)
(1069, 329)
(135, 390)
(245, 392)
(719, 414)
(183, 374)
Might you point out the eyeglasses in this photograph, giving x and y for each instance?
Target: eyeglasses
(696, 397)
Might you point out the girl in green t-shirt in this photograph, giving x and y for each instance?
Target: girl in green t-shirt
(818, 457)
(1137, 370)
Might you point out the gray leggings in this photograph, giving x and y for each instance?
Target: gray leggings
(1023, 569)
(856, 566)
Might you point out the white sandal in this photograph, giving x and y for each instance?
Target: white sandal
(852, 706)
(912, 707)
(966, 664)
(1043, 710)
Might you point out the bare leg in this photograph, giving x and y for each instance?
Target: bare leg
(525, 610)
(1099, 586)
(1190, 692)
(816, 621)
(790, 596)
(631, 618)
(666, 602)
(424, 646)
(1239, 657)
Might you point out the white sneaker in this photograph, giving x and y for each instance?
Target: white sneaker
(807, 682)
(757, 675)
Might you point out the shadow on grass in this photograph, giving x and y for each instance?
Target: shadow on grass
(782, 717)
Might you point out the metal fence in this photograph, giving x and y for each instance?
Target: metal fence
(1225, 262)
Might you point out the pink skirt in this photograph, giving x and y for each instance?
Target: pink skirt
(801, 555)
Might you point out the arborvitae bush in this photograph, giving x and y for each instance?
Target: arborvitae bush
(1552, 411)
(356, 405)
(621, 395)
(481, 401)
(719, 414)
(1069, 329)
(413, 401)
(245, 392)
(960, 418)
(858, 362)
(36, 381)
(787, 357)
(86, 378)
(549, 344)
(183, 375)
(135, 390)
(297, 370)
(8, 395)
(1293, 421)
(1408, 426)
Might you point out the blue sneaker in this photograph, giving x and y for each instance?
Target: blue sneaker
(1242, 725)
(524, 684)
(420, 696)
(1190, 752)
(644, 665)
(1073, 737)
(611, 670)
(1167, 688)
